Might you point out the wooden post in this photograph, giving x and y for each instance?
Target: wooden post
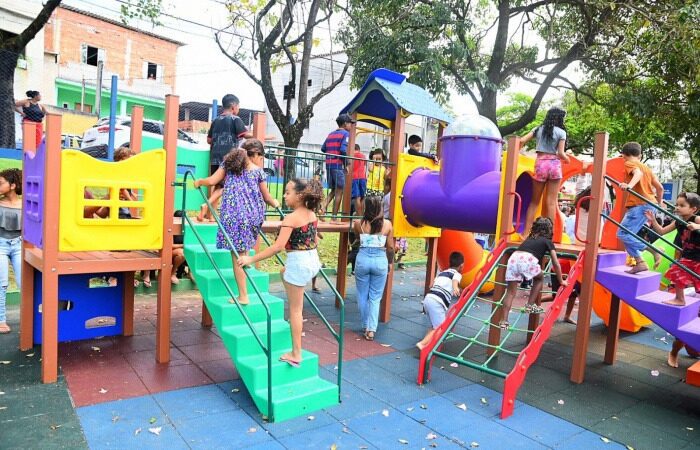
(166, 253)
(128, 304)
(613, 330)
(583, 327)
(397, 143)
(49, 309)
(432, 263)
(259, 126)
(136, 129)
(344, 238)
(506, 226)
(26, 310)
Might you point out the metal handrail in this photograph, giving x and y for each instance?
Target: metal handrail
(337, 335)
(266, 349)
(647, 201)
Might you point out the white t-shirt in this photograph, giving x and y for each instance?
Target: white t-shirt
(442, 287)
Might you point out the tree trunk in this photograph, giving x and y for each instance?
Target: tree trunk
(8, 62)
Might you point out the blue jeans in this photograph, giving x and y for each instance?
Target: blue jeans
(10, 249)
(634, 220)
(371, 268)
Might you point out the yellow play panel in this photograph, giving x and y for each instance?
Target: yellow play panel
(407, 164)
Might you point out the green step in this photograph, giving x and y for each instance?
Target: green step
(297, 399)
(296, 391)
(226, 313)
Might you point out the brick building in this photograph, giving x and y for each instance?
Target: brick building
(143, 61)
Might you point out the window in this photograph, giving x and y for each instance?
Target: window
(152, 71)
(91, 55)
(83, 108)
(151, 127)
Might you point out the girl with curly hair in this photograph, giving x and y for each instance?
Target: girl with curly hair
(10, 235)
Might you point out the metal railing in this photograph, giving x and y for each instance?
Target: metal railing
(660, 209)
(267, 349)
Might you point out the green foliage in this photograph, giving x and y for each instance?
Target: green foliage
(142, 9)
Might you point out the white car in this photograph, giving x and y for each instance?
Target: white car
(95, 139)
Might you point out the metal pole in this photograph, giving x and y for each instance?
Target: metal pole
(98, 89)
(112, 117)
(214, 110)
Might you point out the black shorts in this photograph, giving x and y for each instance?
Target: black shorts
(213, 168)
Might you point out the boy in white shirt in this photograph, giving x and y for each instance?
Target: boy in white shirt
(437, 301)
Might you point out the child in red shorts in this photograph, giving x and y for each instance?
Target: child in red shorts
(687, 206)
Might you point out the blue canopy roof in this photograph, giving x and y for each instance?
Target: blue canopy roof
(386, 91)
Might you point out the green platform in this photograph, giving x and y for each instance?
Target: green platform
(295, 391)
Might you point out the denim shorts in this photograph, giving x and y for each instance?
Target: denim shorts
(301, 266)
(435, 308)
(359, 187)
(336, 177)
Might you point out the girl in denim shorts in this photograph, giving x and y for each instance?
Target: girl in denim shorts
(299, 238)
(10, 235)
(551, 143)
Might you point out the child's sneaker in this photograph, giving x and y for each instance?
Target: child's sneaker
(533, 309)
(631, 262)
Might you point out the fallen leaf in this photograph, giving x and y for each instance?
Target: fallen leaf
(484, 401)
(137, 431)
(454, 365)
(410, 408)
(115, 419)
(433, 444)
(29, 355)
(3, 407)
(654, 373)
(385, 412)
(235, 390)
(152, 420)
(5, 362)
(689, 428)
(346, 430)
(385, 345)
(614, 418)
(431, 436)
(55, 427)
(96, 349)
(103, 391)
(604, 439)
(310, 418)
(303, 333)
(629, 447)
(474, 444)
(561, 402)
(357, 339)
(423, 406)
(334, 447)
(2, 392)
(403, 441)
(155, 430)
(462, 406)
(252, 430)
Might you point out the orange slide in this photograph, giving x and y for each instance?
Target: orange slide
(474, 255)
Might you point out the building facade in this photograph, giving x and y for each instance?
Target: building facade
(79, 41)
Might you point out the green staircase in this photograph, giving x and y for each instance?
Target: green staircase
(296, 391)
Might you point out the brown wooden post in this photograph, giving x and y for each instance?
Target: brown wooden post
(259, 126)
(136, 129)
(26, 310)
(166, 253)
(600, 154)
(49, 308)
(344, 238)
(506, 226)
(128, 304)
(432, 263)
(613, 330)
(397, 143)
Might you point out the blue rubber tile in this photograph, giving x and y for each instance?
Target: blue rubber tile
(651, 337)
(589, 441)
(355, 402)
(325, 437)
(115, 425)
(439, 413)
(383, 384)
(269, 445)
(396, 362)
(440, 380)
(386, 432)
(541, 426)
(237, 391)
(194, 402)
(480, 399)
(307, 423)
(398, 340)
(232, 429)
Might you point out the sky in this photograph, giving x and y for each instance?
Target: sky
(204, 73)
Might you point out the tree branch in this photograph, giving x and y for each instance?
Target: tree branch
(17, 43)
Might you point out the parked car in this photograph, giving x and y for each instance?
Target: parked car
(95, 139)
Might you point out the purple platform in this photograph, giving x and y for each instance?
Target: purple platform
(641, 291)
(33, 195)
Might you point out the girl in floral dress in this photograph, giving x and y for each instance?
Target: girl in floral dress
(243, 203)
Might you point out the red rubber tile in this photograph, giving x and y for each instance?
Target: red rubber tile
(220, 370)
(355, 343)
(147, 358)
(104, 386)
(166, 378)
(193, 337)
(143, 326)
(211, 351)
(127, 344)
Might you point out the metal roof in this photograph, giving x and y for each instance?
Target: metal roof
(386, 91)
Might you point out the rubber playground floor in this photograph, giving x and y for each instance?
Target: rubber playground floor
(112, 394)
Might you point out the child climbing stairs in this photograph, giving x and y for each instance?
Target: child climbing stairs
(296, 391)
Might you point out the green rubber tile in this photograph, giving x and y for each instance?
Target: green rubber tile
(637, 435)
(570, 407)
(666, 420)
(62, 431)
